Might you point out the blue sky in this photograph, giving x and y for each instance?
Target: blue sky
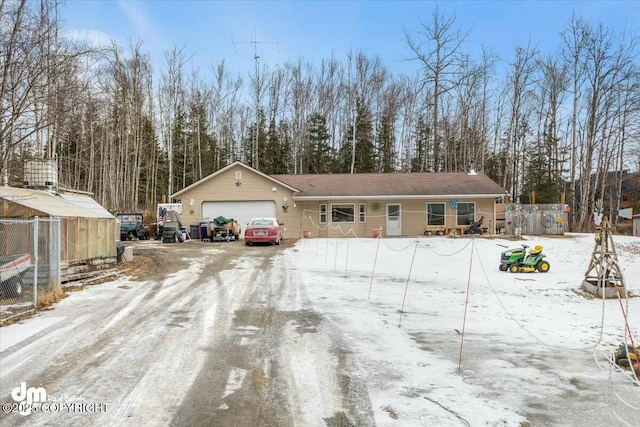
(313, 30)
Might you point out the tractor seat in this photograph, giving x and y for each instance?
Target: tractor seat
(536, 250)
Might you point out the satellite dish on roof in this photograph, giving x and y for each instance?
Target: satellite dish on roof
(625, 213)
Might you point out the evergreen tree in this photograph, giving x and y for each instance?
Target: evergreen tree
(179, 136)
(495, 165)
(283, 158)
(343, 161)
(365, 160)
(254, 149)
(386, 145)
(423, 133)
(319, 158)
(542, 176)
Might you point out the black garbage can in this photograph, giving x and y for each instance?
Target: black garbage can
(194, 231)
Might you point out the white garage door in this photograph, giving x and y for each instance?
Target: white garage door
(242, 212)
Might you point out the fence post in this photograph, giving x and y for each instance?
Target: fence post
(35, 263)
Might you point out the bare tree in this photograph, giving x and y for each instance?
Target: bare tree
(299, 91)
(520, 80)
(574, 39)
(438, 47)
(171, 102)
(223, 114)
(555, 148)
(33, 64)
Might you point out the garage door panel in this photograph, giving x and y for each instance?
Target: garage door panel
(242, 212)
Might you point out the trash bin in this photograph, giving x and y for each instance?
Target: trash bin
(194, 231)
(203, 230)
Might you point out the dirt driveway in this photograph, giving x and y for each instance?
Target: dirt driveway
(199, 334)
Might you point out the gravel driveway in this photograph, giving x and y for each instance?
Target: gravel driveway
(198, 334)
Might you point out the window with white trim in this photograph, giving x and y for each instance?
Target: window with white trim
(323, 213)
(363, 212)
(435, 213)
(343, 212)
(466, 213)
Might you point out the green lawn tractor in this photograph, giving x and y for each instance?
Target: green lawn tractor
(518, 260)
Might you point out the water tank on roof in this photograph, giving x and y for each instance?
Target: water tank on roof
(41, 174)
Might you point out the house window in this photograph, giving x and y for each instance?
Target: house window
(435, 213)
(466, 213)
(343, 212)
(323, 213)
(363, 212)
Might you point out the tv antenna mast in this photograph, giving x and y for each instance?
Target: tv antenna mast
(258, 87)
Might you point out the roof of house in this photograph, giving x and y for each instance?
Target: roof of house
(389, 185)
(376, 185)
(56, 205)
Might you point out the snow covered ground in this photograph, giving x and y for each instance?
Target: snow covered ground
(400, 331)
(442, 337)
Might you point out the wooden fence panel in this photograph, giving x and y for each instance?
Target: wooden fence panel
(535, 220)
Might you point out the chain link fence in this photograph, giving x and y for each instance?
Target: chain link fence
(29, 265)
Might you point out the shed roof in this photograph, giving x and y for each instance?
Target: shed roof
(389, 185)
(61, 205)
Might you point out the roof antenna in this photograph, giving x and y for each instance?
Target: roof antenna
(258, 88)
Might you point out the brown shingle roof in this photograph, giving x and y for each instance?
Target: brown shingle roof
(392, 184)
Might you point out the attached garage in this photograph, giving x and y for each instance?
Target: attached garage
(338, 205)
(242, 193)
(242, 211)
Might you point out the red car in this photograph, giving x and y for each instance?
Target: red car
(263, 230)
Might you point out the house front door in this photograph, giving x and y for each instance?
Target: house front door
(394, 219)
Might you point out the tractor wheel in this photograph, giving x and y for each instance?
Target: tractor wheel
(503, 267)
(543, 266)
(427, 233)
(514, 268)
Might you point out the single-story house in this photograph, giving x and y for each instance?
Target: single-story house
(336, 205)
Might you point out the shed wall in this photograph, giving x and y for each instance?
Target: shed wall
(81, 238)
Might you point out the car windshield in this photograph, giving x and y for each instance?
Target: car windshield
(262, 222)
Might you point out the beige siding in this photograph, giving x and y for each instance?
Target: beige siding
(413, 216)
(303, 215)
(253, 187)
